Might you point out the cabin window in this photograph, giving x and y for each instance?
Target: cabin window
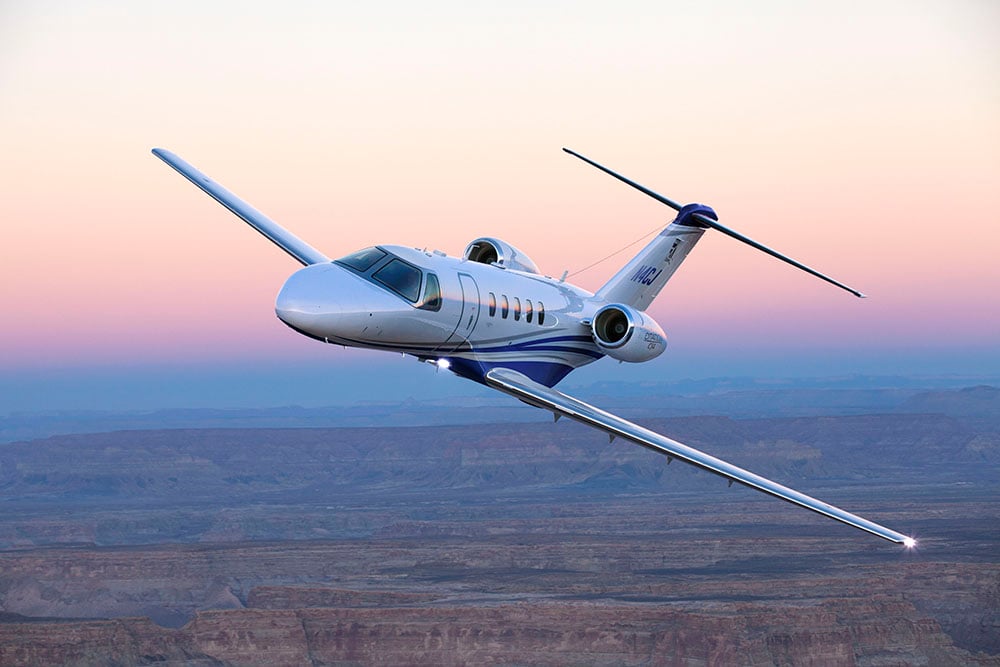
(517, 309)
(363, 260)
(493, 304)
(401, 278)
(527, 311)
(504, 306)
(432, 294)
(541, 313)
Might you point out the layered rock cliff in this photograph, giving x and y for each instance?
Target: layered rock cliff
(882, 631)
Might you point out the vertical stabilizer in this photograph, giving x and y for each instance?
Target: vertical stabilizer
(639, 281)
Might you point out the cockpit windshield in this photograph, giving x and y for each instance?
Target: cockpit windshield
(385, 269)
(401, 278)
(363, 260)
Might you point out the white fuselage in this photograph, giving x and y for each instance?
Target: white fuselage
(487, 315)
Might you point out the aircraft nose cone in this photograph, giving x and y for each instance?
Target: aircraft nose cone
(306, 303)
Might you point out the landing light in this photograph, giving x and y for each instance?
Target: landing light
(443, 364)
(910, 543)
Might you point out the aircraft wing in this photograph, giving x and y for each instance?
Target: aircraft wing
(538, 395)
(280, 236)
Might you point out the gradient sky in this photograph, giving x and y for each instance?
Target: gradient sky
(861, 138)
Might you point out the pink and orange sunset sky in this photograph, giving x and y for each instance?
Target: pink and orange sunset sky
(862, 138)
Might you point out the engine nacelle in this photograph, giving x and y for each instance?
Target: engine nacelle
(494, 251)
(627, 334)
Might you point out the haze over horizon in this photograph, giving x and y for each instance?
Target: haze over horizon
(861, 140)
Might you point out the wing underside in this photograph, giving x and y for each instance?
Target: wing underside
(538, 395)
(280, 236)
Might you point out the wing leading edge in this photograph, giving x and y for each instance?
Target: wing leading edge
(518, 385)
(280, 236)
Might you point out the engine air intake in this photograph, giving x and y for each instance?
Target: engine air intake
(612, 327)
(627, 334)
(487, 250)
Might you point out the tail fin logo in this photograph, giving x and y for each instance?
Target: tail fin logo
(673, 249)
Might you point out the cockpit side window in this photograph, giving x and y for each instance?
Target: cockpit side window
(401, 278)
(362, 260)
(432, 294)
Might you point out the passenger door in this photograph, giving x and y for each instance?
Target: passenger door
(470, 311)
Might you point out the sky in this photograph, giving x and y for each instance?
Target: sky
(862, 138)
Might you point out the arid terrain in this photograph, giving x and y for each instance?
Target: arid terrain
(509, 543)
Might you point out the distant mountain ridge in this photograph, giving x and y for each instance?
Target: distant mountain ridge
(737, 398)
(180, 466)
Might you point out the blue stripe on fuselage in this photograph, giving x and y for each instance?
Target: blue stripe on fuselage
(537, 345)
(545, 344)
(475, 368)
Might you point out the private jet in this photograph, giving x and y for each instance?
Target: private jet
(491, 316)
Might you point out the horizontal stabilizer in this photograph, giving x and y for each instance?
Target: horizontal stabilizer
(281, 237)
(520, 386)
(706, 221)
